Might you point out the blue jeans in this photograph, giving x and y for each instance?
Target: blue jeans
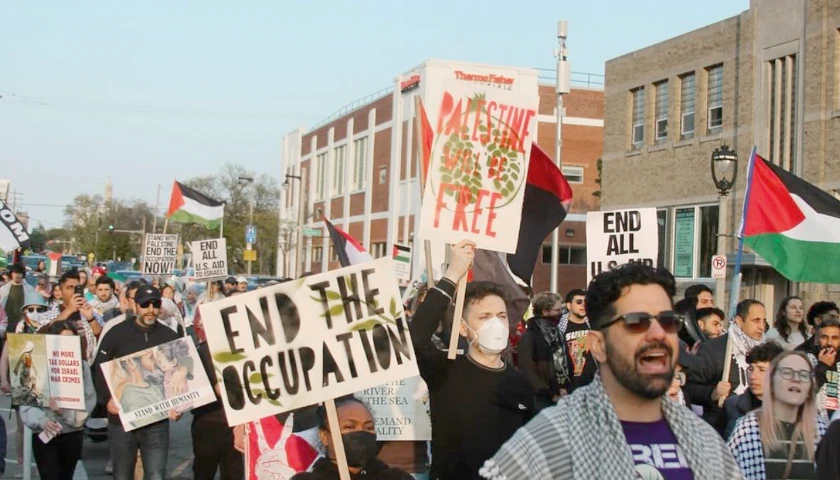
(153, 442)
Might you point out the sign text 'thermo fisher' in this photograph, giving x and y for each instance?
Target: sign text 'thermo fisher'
(306, 341)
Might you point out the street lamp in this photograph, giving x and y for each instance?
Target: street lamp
(243, 182)
(724, 171)
(300, 220)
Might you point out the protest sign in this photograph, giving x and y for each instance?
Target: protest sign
(45, 368)
(621, 236)
(147, 384)
(478, 164)
(400, 409)
(159, 253)
(209, 259)
(402, 263)
(355, 337)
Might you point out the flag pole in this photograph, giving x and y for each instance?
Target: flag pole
(734, 293)
(420, 148)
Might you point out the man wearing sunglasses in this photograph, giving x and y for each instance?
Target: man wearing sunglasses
(142, 332)
(575, 328)
(621, 425)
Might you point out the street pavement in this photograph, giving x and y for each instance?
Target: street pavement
(95, 455)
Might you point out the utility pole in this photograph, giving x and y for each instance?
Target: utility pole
(301, 220)
(251, 222)
(562, 87)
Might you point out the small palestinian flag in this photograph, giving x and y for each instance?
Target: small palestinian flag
(347, 248)
(190, 206)
(792, 224)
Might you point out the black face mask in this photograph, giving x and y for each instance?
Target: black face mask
(360, 448)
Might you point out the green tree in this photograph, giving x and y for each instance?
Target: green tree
(599, 167)
(38, 238)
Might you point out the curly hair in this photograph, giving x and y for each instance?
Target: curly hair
(818, 309)
(781, 324)
(607, 287)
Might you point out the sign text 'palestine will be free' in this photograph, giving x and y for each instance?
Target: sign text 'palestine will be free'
(478, 165)
(268, 362)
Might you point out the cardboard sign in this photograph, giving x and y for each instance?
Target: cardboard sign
(148, 384)
(621, 236)
(160, 253)
(45, 368)
(400, 409)
(402, 262)
(209, 259)
(478, 165)
(299, 343)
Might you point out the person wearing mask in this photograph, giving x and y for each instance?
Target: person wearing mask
(789, 328)
(737, 406)
(241, 284)
(823, 357)
(779, 441)
(477, 401)
(542, 353)
(705, 383)
(57, 458)
(828, 453)
(609, 428)
(816, 314)
(358, 433)
(128, 337)
(105, 303)
(12, 295)
(78, 310)
(575, 330)
(703, 295)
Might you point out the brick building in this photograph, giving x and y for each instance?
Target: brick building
(767, 77)
(361, 173)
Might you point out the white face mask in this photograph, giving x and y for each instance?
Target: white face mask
(36, 318)
(492, 336)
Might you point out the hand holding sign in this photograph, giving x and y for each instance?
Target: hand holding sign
(463, 254)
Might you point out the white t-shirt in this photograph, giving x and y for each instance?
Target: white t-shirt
(795, 338)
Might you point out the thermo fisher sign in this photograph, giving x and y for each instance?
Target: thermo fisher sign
(621, 236)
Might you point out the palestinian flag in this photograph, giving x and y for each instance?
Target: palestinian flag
(347, 248)
(190, 206)
(792, 224)
(547, 200)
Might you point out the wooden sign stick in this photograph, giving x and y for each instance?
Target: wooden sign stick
(430, 271)
(456, 319)
(727, 365)
(338, 443)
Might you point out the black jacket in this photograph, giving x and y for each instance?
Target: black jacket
(536, 361)
(325, 469)
(736, 407)
(125, 339)
(703, 380)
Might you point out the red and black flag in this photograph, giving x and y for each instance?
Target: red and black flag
(347, 248)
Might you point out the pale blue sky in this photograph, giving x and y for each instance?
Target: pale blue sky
(149, 91)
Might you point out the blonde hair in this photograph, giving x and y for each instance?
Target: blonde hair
(771, 428)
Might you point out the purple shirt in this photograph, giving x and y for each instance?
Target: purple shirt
(656, 452)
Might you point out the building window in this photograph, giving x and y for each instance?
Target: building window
(317, 254)
(782, 73)
(707, 239)
(664, 228)
(695, 240)
(359, 163)
(383, 175)
(339, 164)
(687, 88)
(573, 173)
(714, 95)
(569, 255)
(333, 254)
(377, 250)
(637, 133)
(320, 176)
(661, 109)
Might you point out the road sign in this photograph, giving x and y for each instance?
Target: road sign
(311, 232)
(249, 255)
(719, 266)
(251, 234)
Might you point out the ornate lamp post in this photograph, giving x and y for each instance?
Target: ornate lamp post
(724, 171)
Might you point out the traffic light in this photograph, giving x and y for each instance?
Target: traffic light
(110, 228)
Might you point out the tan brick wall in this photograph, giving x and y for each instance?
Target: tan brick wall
(381, 159)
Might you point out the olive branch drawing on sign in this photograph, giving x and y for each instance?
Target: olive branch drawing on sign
(338, 309)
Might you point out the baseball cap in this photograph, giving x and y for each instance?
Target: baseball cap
(230, 281)
(146, 293)
(241, 280)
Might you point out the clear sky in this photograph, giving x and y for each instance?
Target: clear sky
(150, 91)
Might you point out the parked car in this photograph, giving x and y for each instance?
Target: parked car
(117, 266)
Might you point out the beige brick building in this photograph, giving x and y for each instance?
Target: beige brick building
(767, 77)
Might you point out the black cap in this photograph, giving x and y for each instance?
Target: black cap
(230, 281)
(146, 293)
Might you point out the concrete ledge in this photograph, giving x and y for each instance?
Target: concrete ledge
(684, 143)
(632, 153)
(835, 114)
(711, 138)
(657, 148)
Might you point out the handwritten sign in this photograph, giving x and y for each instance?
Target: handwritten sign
(621, 236)
(210, 259)
(148, 384)
(478, 165)
(45, 368)
(160, 253)
(400, 409)
(299, 343)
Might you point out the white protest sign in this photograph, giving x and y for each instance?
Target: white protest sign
(402, 262)
(45, 368)
(400, 409)
(159, 254)
(478, 164)
(147, 384)
(209, 259)
(302, 342)
(621, 236)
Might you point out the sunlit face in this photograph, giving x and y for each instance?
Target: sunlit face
(794, 311)
(91, 284)
(792, 391)
(712, 325)
(147, 314)
(829, 337)
(755, 323)
(103, 292)
(56, 293)
(242, 287)
(577, 306)
(757, 372)
(83, 278)
(705, 300)
(168, 292)
(480, 311)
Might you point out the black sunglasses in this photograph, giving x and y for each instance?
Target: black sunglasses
(639, 322)
(579, 301)
(148, 303)
(36, 309)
